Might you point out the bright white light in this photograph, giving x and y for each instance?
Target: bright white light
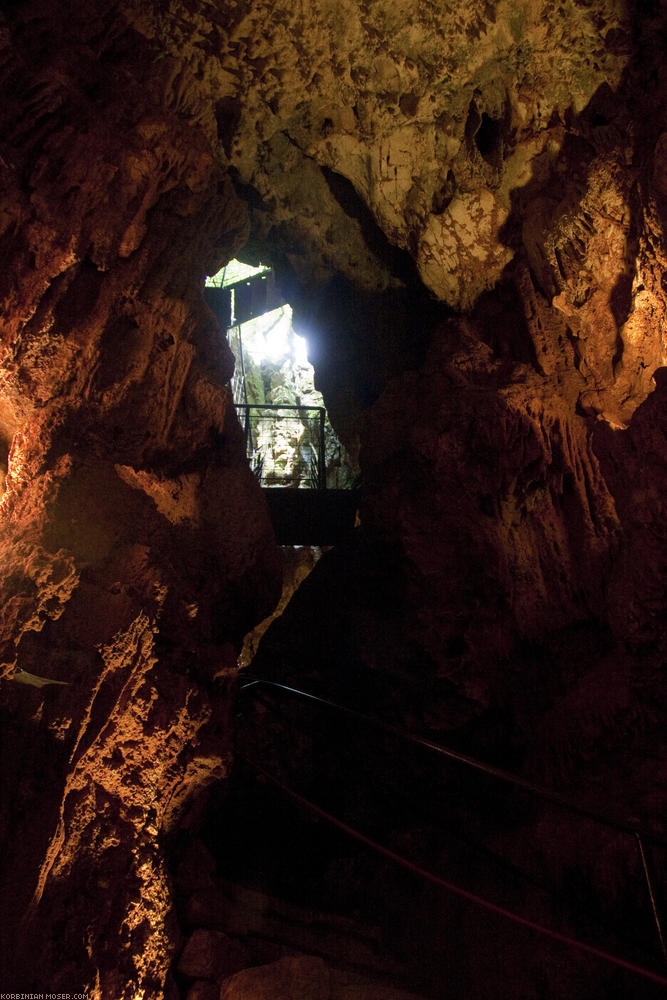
(276, 338)
(300, 350)
(270, 338)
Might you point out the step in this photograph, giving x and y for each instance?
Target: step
(306, 978)
(269, 927)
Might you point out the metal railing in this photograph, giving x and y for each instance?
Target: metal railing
(285, 444)
(640, 836)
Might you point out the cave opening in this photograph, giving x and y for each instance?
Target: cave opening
(290, 442)
(505, 592)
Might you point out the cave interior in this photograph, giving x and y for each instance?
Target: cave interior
(422, 755)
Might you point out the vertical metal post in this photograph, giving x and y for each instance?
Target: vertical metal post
(651, 893)
(248, 438)
(321, 460)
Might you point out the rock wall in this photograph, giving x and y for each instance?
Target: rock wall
(506, 590)
(512, 167)
(467, 206)
(135, 547)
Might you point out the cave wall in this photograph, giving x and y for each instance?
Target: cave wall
(466, 204)
(468, 210)
(506, 591)
(136, 550)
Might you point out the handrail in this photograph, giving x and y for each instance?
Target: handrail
(279, 411)
(508, 777)
(651, 892)
(278, 406)
(429, 876)
(456, 890)
(546, 794)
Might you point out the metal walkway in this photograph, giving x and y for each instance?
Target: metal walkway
(287, 450)
(291, 448)
(311, 517)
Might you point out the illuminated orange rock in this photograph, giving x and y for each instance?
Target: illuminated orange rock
(134, 544)
(467, 204)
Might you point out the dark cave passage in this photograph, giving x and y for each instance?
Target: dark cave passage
(279, 879)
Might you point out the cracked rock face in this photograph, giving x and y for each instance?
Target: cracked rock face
(135, 548)
(452, 144)
(467, 202)
(433, 115)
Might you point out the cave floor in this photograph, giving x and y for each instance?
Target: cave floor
(268, 881)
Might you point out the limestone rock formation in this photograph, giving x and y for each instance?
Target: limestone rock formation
(466, 204)
(135, 547)
(487, 419)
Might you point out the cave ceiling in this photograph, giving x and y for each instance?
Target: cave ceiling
(453, 142)
(469, 202)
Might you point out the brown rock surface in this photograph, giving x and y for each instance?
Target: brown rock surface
(305, 978)
(135, 547)
(286, 979)
(468, 205)
(204, 991)
(211, 955)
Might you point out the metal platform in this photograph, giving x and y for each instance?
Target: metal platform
(311, 517)
(251, 297)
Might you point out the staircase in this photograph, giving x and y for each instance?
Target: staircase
(244, 942)
(281, 900)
